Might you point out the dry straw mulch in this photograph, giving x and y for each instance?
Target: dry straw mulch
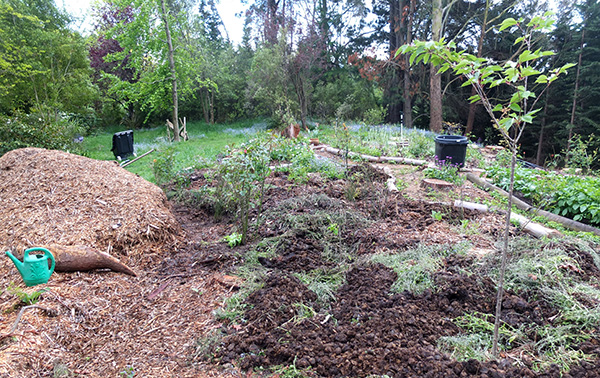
(99, 323)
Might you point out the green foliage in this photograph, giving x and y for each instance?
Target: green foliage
(163, 166)
(144, 50)
(446, 172)
(420, 145)
(299, 159)
(437, 215)
(579, 200)
(32, 131)
(233, 239)
(241, 181)
(268, 84)
(346, 96)
(25, 297)
(581, 155)
(374, 116)
(44, 64)
(576, 197)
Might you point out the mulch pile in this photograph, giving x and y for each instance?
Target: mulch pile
(53, 197)
(99, 324)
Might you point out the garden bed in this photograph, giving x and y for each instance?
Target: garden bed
(340, 278)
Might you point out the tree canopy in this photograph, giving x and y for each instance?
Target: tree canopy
(299, 60)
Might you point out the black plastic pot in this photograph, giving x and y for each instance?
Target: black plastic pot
(451, 149)
(122, 144)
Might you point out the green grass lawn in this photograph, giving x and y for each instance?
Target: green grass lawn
(205, 141)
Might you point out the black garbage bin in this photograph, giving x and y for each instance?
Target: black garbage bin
(451, 149)
(122, 144)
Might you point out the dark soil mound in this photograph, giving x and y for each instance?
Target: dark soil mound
(367, 332)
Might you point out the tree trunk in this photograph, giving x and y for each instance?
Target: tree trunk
(473, 106)
(396, 39)
(435, 80)
(212, 107)
(574, 107)
(504, 259)
(407, 109)
(204, 102)
(173, 72)
(538, 157)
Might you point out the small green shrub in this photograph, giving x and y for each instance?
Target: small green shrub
(420, 145)
(24, 297)
(241, 181)
(581, 155)
(374, 116)
(163, 166)
(233, 239)
(446, 172)
(29, 130)
(576, 197)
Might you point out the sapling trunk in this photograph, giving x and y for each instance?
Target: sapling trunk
(500, 293)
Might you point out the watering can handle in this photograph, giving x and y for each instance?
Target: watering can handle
(46, 253)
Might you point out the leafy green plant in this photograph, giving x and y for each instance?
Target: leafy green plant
(25, 297)
(445, 171)
(233, 239)
(580, 156)
(420, 144)
(437, 215)
(31, 130)
(334, 228)
(241, 181)
(575, 197)
(580, 200)
(374, 116)
(163, 166)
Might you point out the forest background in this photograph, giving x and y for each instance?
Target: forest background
(299, 61)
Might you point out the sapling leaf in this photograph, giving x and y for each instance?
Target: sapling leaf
(411, 60)
(497, 108)
(528, 71)
(509, 22)
(564, 68)
(474, 98)
(527, 56)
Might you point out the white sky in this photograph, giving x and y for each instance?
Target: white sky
(227, 9)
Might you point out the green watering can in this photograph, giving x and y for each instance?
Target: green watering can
(34, 268)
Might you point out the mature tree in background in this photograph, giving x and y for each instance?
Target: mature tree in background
(586, 116)
(152, 43)
(268, 83)
(435, 79)
(50, 73)
(112, 108)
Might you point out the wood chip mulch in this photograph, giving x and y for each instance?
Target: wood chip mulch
(99, 324)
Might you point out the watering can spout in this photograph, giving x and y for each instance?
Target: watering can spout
(16, 261)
